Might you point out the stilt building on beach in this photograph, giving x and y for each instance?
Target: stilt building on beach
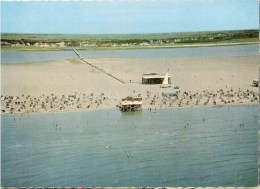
(155, 78)
(131, 104)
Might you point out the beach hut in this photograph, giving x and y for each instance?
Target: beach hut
(131, 104)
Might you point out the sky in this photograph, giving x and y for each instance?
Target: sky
(121, 17)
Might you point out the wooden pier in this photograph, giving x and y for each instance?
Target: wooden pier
(102, 70)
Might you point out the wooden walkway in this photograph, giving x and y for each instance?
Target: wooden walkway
(102, 70)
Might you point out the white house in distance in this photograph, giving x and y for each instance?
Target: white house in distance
(61, 44)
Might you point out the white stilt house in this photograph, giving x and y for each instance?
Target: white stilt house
(131, 104)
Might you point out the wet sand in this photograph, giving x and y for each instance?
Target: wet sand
(71, 85)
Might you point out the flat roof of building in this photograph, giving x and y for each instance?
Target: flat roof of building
(154, 75)
(131, 100)
(124, 103)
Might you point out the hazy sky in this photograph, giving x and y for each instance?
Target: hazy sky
(93, 17)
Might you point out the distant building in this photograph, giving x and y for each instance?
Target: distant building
(60, 44)
(37, 44)
(155, 78)
(144, 44)
(53, 45)
(125, 45)
(4, 43)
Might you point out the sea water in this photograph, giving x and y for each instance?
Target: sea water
(215, 51)
(172, 147)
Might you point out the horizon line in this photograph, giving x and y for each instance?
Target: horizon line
(199, 31)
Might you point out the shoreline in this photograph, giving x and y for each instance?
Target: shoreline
(113, 109)
(20, 105)
(183, 45)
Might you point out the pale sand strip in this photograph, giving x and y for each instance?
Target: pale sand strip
(202, 82)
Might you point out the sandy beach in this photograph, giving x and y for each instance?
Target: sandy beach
(72, 85)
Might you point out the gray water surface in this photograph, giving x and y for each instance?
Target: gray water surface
(110, 148)
(215, 51)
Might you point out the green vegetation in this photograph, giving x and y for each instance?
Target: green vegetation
(122, 41)
(112, 37)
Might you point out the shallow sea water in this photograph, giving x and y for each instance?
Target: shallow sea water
(175, 147)
(214, 51)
